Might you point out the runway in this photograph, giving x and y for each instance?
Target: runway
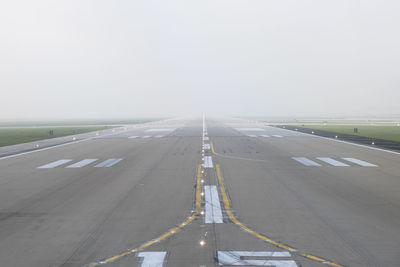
(201, 192)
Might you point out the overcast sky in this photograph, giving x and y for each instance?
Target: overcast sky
(105, 59)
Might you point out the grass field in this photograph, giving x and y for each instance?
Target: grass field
(386, 132)
(14, 135)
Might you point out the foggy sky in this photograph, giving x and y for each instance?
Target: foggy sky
(105, 59)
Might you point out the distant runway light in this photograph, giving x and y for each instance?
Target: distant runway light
(373, 143)
(36, 145)
(202, 243)
(312, 132)
(336, 136)
(202, 193)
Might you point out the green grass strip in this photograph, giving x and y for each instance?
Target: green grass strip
(12, 136)
(391, 133)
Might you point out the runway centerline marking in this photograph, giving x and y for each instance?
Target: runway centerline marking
(107, 163)
(236, 258)
(152, 259)
(360, 162)
(306, 161)
(213, 212)
(81, 163)
(208, 163)
(333, 162)
(54, 164)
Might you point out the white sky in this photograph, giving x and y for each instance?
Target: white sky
(104, 59)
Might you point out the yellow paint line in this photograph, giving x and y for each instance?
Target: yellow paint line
(166, 234)
(255, 234)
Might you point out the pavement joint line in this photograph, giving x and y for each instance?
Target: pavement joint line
(163, 236)
(233, 157)
(233, 218)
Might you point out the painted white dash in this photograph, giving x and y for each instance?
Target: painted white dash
(277, 135)
(81, 163)
(206, 138)
(252, 135)
(55, 164)
(146, 136)
(158, 136)
(264, 135)
(208, 163)
(360, 162)
(306, 161)
(108, 163)
(152, 259)
(213, 212)
(133, 136)
(237, 258)
(161, 130)
(206, 147)
(333, 162)
(250, 129)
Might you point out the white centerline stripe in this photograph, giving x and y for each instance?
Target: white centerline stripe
(146, 136)
(133, 136)
(208, 162)
(206, 138)
(249, 129)
(213, 213)
(305, 161)
(158, 136)
(108, 163)
(360, 162)
(237, 258)
(55, 164)
(333, 162)
(277, 135)
(206, 147)
(81, 163)
(152, 259)
(264, 135)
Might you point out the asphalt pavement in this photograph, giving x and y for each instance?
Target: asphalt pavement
(188, 192)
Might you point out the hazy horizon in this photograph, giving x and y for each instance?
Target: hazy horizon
(137, 59)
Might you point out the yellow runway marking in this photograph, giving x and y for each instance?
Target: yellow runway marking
(166, 234)
(232, 217)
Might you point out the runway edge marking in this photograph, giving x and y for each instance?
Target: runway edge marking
(233, 218)
(160, 238)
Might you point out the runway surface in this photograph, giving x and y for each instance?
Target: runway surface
(194, 192)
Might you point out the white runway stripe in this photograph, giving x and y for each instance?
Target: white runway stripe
(252, 135)
(55, 164)
(146, 136)
(249, 129)
(208, 163)
(277, 135)
(333, 162)
(206, 138)
(133, 136)
(158, 136)
(360, 162)
(213, 213)
(108, 163)
(152, 259)
(264, 135)
(206, 147)
(81, 163)
(306, 161)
